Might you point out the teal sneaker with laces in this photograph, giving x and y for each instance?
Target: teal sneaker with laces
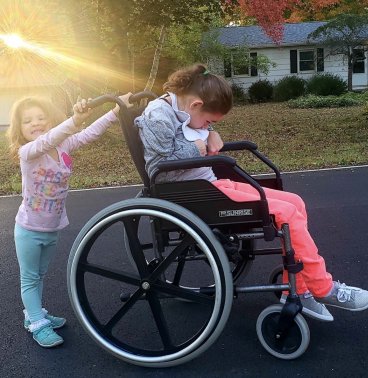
(55, 321)
(46, 337)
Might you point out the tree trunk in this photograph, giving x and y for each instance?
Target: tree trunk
(350, 69)
(350, 78)
(156, 60)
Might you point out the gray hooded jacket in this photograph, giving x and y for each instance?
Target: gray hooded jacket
(160, 129)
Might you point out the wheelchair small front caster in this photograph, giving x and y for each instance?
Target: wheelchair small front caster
(292, 343)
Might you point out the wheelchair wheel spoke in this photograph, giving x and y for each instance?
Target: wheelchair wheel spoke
(160, 320)
(186, 242)
(179, 271)
(122, 311)
(131, 227)
(111, 273)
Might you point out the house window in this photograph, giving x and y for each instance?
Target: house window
(359, 61)
(239, 66)
(306, 60)
(236, 66)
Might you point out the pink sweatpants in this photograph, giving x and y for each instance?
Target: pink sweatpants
(289, 208)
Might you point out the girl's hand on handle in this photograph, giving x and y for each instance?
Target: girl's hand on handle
(201, 145)
(214, 143)
(125, 99)
(81, 112)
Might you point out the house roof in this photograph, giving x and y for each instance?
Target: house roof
(254, 36)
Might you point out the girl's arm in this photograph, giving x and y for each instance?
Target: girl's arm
(214, 143)
(159, 138)
(46, 142)
(97, 128)
(92, 132)
(68, 131)
(55, 136)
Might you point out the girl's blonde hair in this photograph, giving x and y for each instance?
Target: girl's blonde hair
(214, 90)
(14, 132)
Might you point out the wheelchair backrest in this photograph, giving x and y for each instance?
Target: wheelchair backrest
(131, 134)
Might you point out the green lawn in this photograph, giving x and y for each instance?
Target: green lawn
(292, 138)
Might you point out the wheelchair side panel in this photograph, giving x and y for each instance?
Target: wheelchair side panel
(209, 203)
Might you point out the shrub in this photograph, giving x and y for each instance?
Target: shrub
(289, 87)
(260, 91)
(326, 84)
(238, 94)
(313, 101)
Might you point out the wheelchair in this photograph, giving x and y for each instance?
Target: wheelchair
(152, 279)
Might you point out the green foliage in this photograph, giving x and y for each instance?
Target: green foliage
(313, 101)
(260, 91)
(238, 94)
(344, 32)
(326, 84)
(187, 44)
(342, 35)
(288, 88)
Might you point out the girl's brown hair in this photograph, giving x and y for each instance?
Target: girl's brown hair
(14, 132)
(214, 91)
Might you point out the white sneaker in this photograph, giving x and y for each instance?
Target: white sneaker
(311, 307)
(346, 297)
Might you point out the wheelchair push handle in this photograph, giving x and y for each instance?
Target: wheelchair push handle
(115, 99)
(239, 146)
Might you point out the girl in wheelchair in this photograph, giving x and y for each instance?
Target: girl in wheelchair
(178, 125)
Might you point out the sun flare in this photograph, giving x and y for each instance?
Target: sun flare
(12, 40)
(36, 42)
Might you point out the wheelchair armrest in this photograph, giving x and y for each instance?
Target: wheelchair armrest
(238, 146)
(205, 161)
(252, 147)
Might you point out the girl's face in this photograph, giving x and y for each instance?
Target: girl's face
(34, 122)
(200, 119)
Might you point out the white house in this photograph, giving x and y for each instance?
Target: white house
(293, 56)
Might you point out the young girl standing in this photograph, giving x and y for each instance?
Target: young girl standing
(177, 125)
(43, 150)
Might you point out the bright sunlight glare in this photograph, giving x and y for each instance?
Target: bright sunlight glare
(35, 42)
(12, 40)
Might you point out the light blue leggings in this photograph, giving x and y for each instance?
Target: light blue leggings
(34, 252)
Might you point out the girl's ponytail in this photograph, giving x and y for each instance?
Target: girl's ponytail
(214, 90)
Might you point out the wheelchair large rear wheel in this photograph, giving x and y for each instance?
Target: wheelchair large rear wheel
(293, 343)
(141, 306)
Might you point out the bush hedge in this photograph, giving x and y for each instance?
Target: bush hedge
(238, 94)
(313, 101)
(326, 84)
(260, 91)
(288, 88)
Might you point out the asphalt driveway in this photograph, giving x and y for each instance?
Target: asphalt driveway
(337, 202)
